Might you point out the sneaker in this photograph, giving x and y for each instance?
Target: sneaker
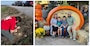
(59, 35)
(62, 36)
(66, 37)
(53, 36)
(70, 37)
(74, 39)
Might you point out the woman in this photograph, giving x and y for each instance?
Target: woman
(54, 25)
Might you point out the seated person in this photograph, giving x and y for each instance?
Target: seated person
(71, 26)
(59, 22)
(64, 26)
(54, 25)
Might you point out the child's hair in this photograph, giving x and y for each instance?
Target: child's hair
(18, 18)
(59, 17)
(54, 16)
(64, 16)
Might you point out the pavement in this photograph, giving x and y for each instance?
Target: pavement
(48, 40)
(26, 10)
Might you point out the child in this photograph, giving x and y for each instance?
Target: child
(64, 26)
(59, 22)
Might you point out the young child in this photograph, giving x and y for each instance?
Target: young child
(64, 26)
(59, 22)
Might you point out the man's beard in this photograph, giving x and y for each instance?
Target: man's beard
(69, 16)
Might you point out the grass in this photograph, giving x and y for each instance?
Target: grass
(4, 8)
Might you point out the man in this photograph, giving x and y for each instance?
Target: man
(8, 26)
(71, 25)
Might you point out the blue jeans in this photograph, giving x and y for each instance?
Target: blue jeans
(63, 31)
(7, 34)
(51, 30)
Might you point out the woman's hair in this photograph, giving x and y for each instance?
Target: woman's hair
(18, 18)
(54, 15)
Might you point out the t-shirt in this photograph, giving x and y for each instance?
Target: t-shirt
(53, 21)
(70, 20)
(64, 22)
(59, 23)
(8, 23)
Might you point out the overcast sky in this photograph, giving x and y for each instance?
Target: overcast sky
(7, 2)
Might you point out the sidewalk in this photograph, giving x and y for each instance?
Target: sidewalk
(55, 41)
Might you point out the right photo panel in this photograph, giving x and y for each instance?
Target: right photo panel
(61, 23)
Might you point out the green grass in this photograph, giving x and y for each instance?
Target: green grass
(4, 8)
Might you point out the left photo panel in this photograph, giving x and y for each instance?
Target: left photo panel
(16, 22)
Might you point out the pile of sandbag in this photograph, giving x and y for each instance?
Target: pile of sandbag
(83, 36)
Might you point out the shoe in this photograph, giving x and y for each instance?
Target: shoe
(53, 36)
(58, 35)
(66, 37)
(62, 36)
(74, 39)
(70, 37)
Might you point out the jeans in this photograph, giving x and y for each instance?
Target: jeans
(7, 34)
(63, 31)
(51, 30)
